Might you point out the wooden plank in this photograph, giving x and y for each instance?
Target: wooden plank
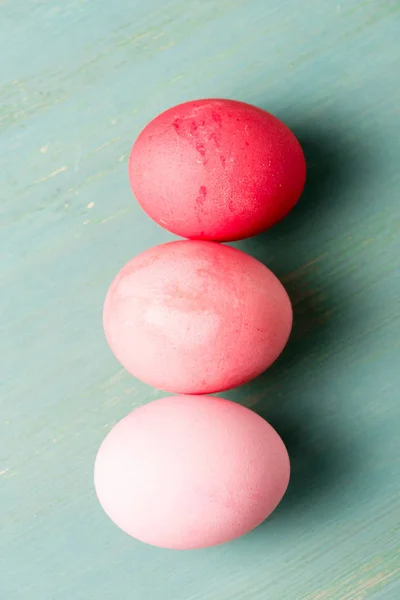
(78, 82)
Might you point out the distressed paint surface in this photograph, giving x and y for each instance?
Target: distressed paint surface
(78, 82)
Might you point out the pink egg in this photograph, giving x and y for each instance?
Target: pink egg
(196, 317)
(216, 170)
(190, 472)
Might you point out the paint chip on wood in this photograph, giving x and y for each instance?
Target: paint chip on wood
(52, 174)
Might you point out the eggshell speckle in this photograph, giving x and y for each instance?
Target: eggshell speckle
(196, 317)
(189, 472)
(216, 170)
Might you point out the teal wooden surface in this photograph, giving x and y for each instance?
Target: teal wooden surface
(79, 80)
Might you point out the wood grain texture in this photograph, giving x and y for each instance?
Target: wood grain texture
(79, 80)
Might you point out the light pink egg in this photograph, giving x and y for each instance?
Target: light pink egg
(190, 471)
(196, 317)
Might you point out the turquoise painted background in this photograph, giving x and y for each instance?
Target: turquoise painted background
(79, 79)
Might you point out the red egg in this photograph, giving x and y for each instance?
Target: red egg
(196, 317)
(216, 170)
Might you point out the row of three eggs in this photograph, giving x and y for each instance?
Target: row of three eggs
(198, 317)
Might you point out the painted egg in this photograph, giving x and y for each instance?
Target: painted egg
(196, 317)
(190, 472)
(216, 170)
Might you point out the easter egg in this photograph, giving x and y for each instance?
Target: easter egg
(216, 170)
(196, 317)
(189, 472)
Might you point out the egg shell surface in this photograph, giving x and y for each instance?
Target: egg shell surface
(196, 317)
(216, 170)
(189, 472)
